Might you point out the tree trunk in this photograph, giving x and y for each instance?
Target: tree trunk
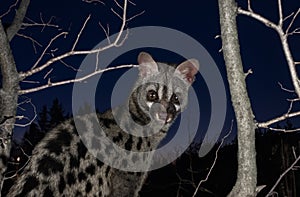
(10, 86)
(8, 100)
(246, 176)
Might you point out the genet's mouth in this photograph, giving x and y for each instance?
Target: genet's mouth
(163, 117)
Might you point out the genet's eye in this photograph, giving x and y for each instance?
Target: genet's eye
(175, 99)
(152, 95)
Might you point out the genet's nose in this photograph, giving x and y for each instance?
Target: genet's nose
(171, 109)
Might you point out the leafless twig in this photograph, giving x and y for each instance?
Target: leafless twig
(9, 9)
(34, 42)
(21, 117)
(18, 19)
(20, 169)
(53, 84)
(215, 160)
(285, 89)
(34, 69)
(282, 175)
(42, 24)
(80, 32)
(283, 37)
(250, 71)
(106, 31)
(285, 116)
(116, 43)
(133, 17)
(94, 1)
(292, 22)
(48, 73)
(5, 118)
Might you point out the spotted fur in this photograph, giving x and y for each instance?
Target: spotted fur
(61, 165)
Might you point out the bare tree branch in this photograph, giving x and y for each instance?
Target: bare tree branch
(282, 175)
(215, 160)
(283, 34)
(285, 116)
(94, 1)
(17, 22)
(34, 69)
(285, 89)
(5, 118)
(258, 17)
(106, 31)
(288, 16)
(116, 43)
(34, 42)
(250, 71)
(48, 73)
(69, 66)
(39, 24)
(21, 117)
(53, 84)
(283, 38)
(278, 119)
(292, 22)
(116, 13)
(9, 9)
(10, 89)
(131, 2)
(15, 173)
(133, 17)
(284, 130)
(80, 32)
(280, 14)
(117, 3)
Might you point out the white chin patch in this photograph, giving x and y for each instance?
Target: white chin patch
(163, 117)
(177, 107)
(149, 104)
(169, 120)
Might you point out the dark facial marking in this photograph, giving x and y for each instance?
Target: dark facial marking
(107, 171)
(128, 144)
(152, 96)
(175, 99)
(139, 144)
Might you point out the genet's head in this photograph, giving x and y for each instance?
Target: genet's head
(161, 89)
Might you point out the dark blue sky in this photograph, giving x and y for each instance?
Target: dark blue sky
(260, 47)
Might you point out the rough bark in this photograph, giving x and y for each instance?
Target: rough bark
(247, 174)
(10, 86)
(18, 20)
(8, 99)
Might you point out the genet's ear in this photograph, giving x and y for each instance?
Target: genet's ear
(147, 66)
(187, 70)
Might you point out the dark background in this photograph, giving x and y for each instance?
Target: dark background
(260, 47)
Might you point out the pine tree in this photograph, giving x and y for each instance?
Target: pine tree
(56, 113)
(32, 137)
(43, 119)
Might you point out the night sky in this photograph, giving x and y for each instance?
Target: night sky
(260, 48)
